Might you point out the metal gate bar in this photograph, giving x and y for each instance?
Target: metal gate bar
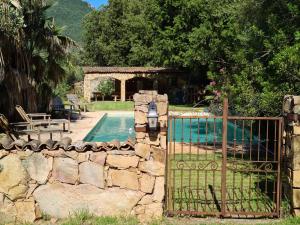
(224, 166)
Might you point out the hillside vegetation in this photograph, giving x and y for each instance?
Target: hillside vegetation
(69, 14)
(249, 49)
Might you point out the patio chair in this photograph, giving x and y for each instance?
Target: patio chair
(33, 119)
(13, 130)
(57, 107)
(76, 103)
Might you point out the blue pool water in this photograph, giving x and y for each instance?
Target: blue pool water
(112, 127)
(208, 131)
(121, 127)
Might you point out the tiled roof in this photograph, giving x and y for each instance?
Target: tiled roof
(135, 70)
(66, 144)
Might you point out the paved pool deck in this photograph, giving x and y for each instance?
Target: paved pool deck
(79, 128)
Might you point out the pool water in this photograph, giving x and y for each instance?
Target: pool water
(207, 131)
(112, 127)
(121, 127)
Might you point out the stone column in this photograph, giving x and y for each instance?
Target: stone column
(123, 90)
(291, 160)
(87, 88)
(152, 146)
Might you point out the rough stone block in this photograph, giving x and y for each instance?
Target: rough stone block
(38, 167)
(158, 154)
(287, 104)
(3, 153)
(163, 141)
(297, 212)
(142, 150)
(57, 153)
(125, 179)
(12, 177)
(296, 109)
(146, 183)
(98, 157)
(91, 173)
(159, 189)
(295, 144)
(83, 157)
(140, 209)
(296, 198)
(148, 92)
(72, 154)
(296, 130)
(140, 135)
(140, 117)
(162, 108)
(65, 170)
(26, 210)
(122, 162)
(152, 211)
(296, 178)
(147, 199)
(162, 98)
(296, 100)
(62, 200)
(142, 108)
(8, 213)
(154, 168)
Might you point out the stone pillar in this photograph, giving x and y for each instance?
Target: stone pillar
(87, 89)
(152, 146)
(123, 90)
(291, 160)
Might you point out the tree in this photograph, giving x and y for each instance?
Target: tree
(34, 55)
(106, 87)
(249, 48)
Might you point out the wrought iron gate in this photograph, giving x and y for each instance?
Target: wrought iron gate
(224, 166)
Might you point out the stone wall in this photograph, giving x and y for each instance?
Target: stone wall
(291, 159)
(152, 146)
(58, 179)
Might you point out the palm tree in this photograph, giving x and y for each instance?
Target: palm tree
(33, 55)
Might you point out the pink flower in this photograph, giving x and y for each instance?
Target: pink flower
(212, 83)
(217, 93)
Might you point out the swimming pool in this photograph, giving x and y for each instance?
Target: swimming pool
(121, 127)
(111, 127)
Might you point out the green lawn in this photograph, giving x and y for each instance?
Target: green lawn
(128, 106)
(110, 105)
(87, 219)
(195, 185)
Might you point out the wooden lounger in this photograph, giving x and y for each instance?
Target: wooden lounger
(46, 121)
(13, 130)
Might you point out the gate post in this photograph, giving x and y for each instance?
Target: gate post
(291, 158)
(224, 157)
(151, 146)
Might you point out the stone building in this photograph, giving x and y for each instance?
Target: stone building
(129, 80)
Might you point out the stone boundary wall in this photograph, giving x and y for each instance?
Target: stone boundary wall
(291, 158)
(104, 179)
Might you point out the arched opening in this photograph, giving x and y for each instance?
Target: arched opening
(138, 83)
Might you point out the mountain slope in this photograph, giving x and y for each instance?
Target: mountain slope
(69, 14)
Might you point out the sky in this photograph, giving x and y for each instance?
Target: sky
(97, 3)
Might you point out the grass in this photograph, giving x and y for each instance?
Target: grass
(110, 105)
(129, 106)
(195, 185)
(84, 218)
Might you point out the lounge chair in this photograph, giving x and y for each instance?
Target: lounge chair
(13, 130)
(76, 103)
(58, 108)
(33, 120)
